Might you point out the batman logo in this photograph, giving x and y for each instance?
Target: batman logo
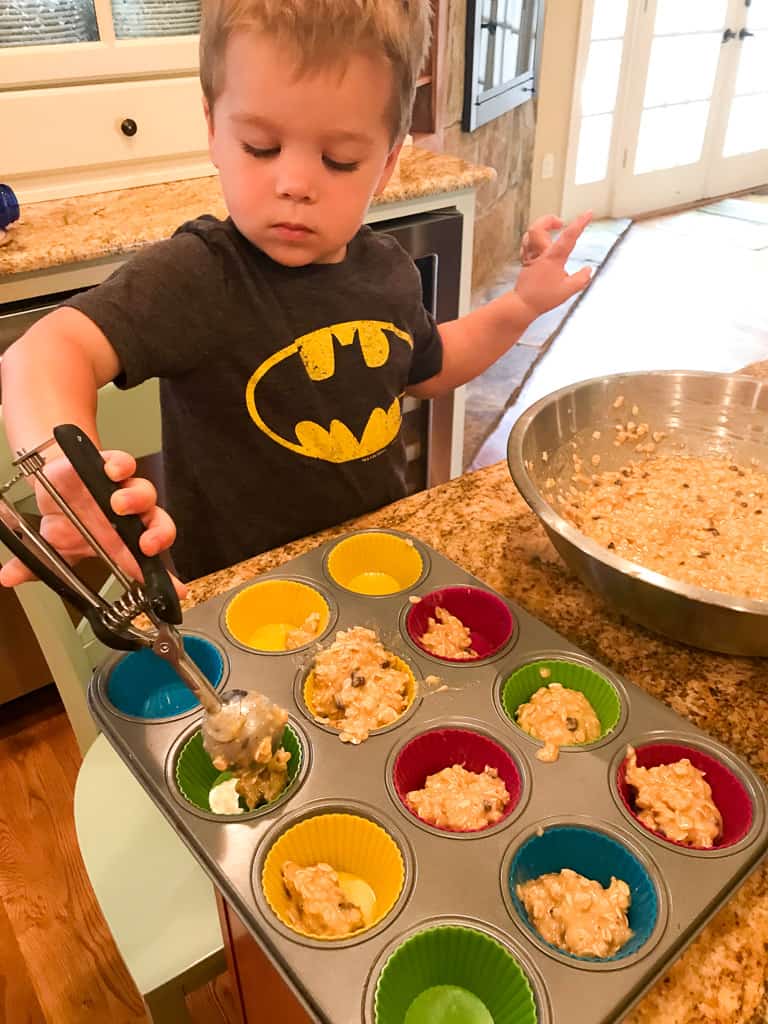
(355, 366)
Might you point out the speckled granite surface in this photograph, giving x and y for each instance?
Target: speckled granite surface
(481, 522)
(109, 223)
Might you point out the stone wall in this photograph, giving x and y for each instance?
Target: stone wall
(505, 144)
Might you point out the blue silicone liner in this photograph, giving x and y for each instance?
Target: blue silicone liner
(595, 855)
(144, 686)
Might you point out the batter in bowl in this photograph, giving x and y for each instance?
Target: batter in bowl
(577, 914)
(675, 800)
(559, 717)
(458, 799)
(319, 903)
(447, 636)
(358, 685)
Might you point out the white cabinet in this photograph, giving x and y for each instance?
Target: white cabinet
(76, 76)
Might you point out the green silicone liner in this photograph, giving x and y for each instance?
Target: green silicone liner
(524, 682)
(452, 955)
(196, 776)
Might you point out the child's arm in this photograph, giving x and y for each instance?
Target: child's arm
(51, 375)
(475, 341)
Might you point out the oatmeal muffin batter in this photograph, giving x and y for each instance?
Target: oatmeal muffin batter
(358, 685)
(303, 634)
(260, 783)
(577, 914)
(675, 800)
(558, 716)
(319, 904)
(447, 636)
(462, 800)
(698, 520)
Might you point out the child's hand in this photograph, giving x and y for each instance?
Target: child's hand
(543, 282)
(137, 496)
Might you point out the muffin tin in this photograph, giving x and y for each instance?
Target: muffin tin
(446, 913)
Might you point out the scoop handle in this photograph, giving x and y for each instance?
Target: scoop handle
(89, 466)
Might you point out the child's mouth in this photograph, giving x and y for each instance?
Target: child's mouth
(292, 232)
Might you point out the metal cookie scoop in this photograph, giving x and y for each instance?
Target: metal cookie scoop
(240, 728)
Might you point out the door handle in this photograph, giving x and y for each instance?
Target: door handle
(728, 35)
(743, 33)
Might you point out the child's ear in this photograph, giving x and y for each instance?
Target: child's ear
(389, 167)
(208, 112)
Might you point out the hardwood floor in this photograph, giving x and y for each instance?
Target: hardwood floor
(58, 962)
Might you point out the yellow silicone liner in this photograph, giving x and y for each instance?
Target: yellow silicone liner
(260, 616)
(349, 844)
(398, 663)
(375, 564)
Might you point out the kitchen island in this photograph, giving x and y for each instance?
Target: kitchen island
(482, 523)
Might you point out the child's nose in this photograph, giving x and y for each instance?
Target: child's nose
(294, 180)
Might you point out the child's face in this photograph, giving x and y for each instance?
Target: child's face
(300, 157)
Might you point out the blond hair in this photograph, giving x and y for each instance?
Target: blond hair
(323, 32)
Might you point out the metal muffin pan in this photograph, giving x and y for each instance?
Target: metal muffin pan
(445, 880)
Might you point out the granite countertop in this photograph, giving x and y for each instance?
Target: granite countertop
(64, 231)
(481, 522)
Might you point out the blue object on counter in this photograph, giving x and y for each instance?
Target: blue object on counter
(144, 686)
(9, 206)
(595, 855)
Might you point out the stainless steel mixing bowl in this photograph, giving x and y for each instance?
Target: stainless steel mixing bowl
(702, 413)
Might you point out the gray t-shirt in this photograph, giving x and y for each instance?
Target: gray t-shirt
(280, 386)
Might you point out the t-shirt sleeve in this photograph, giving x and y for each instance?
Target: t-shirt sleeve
(159, 311)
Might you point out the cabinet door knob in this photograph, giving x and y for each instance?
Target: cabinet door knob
(743, 33)
(129, 127)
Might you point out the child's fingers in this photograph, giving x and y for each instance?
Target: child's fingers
(14, 573)
(549, 222)
(136, 497)
(569, 236)
(577, 282)
(160, 532)
(118, 465)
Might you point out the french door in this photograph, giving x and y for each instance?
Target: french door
(671, 105)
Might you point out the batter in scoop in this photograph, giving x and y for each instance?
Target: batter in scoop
(358, 685)
(461, 800)
(558, 716)
(577, 914)
(319, 904)
(447, 636)
(675, 800)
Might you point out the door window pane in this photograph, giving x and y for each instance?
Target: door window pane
(142, 18)
(747, 125)
(609, 18)
(682, 68)
(594, 148)
(36, 22)
(601, 78)
(690, 16)
(671, 136)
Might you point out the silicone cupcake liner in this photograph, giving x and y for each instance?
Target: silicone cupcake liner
(351, 844)
(196, 775)
(375, 564)
(411, 986)
(143, 685)
(488, 619)
(728, 792)
(261, 616)
(432, 751)
(309, 682)
(594, 855)
(521, 685)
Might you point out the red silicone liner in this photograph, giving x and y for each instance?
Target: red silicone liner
(432, 751)
(728, 792)
(490, 622)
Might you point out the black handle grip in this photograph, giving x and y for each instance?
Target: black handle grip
(79, 603)
(89, 465)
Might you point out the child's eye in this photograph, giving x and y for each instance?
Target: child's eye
(336, 165)
(255, 151)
